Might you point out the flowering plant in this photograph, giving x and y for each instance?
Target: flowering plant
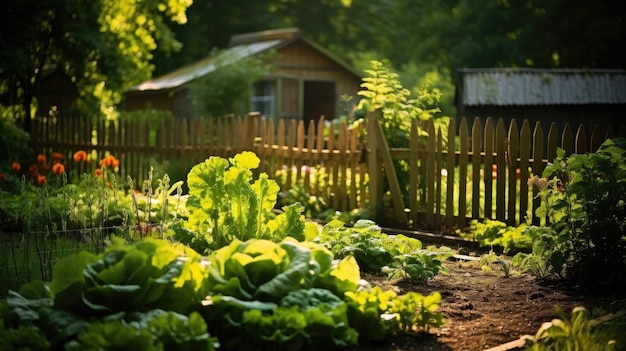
(584, 204)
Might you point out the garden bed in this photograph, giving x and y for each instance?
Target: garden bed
(484, 309)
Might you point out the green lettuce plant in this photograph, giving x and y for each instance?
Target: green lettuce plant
(397, 256)
(225, 204)
(143, 294)
(295, 295)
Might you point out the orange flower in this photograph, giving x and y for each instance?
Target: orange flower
(57, 156)
(80, 156)
(15, 166)
(58, 168)
(3, 177)
(98, 172)
(41, 158)
(41, 180)
(107, 184)
(110, 161)
(33, 169)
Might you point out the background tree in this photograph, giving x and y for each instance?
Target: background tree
(104, 46)
(222, 91)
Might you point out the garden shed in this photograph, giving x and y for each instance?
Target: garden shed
(306, 82)
(576, 96)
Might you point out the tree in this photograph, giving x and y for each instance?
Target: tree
(228, 88)
(104, 46)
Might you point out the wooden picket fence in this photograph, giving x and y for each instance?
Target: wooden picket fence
(176, 145)
(481, 172)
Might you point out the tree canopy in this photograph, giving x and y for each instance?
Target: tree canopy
(107, 45)
(104, 46)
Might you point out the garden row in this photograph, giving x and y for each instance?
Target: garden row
(232, 273)
(219, 266)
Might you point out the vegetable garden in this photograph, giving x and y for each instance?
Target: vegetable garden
(226, 259)
(226, 267)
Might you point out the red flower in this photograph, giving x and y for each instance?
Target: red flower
(41, 158)
(33, 169)
(3, 177)
(41, 180)
(80, 156)
(58, 168)
(15, 166)
(57, 156)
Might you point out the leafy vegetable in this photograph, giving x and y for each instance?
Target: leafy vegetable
(150, 274)
(263, 270)
(224, 204)
(398, 256)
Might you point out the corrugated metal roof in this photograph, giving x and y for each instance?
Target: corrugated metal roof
(502, 86)
(188, 73)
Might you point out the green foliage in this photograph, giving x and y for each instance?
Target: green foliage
(148, 275)
(404, 314)
(225, 204)
(227, 89)
(152, 117)
(397, 256)
(267, 271)
(287, 296)
(138, 296)
(315, 207)
(382, 90)
(156, 330)
(15, 145)
(574, 333)
(584, 201)
(91, 42)
(297, 295)
(268, 292)
(491, 233)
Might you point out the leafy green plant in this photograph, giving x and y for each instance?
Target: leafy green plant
(574, 333)
(491, 233)
(224, 204)
(295, 295)
(398, 256)
(382, 90)
(376, 313)
(315, 207)
(267, 271)
(287, 296)
(142, 295)
(584, 203)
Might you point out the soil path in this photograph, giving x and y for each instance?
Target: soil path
(484, 309)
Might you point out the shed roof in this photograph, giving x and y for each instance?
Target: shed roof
(240, 46)
(528, 86)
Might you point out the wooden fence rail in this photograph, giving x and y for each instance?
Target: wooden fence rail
(479, 172)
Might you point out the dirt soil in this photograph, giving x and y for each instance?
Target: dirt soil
(484, 309)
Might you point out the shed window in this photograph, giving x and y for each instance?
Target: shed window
(264, 98)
